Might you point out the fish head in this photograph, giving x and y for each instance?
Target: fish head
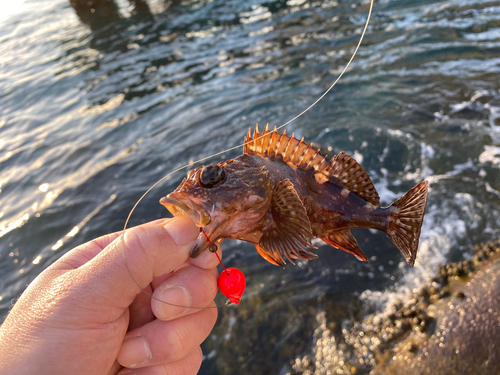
(225, 199)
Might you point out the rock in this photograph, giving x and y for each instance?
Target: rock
(465, 336)
(451, 325)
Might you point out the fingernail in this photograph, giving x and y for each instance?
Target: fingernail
(174, 295)
(134, 351)
(182, 230)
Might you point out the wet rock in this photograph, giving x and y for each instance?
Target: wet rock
(466, 327)
(450, 326)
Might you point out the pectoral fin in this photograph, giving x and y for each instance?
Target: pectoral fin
(269, 256)
(290, 234)
(345, 241)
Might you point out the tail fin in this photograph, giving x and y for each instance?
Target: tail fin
(406, 221)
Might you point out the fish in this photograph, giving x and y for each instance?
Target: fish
(281, 193)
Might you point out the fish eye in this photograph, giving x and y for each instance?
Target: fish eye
(211, 175)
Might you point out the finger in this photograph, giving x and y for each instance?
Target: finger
(115, 367)
(189, 287)
(140, 310)
(134, 258)
(87, 251)
(162, 342)
(207, 259)
(190, 364)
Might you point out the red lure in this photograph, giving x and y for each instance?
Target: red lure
(232, 284)
(232, 281)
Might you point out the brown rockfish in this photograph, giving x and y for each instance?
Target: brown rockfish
(281, 193)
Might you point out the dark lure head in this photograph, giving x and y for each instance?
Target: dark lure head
(226, 199)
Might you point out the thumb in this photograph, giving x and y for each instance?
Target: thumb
(136, 257)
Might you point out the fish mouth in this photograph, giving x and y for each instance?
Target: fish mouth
(179, 205)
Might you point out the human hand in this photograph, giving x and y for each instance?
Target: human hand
(85, 315)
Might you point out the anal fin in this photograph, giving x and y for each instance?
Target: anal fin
(345, 241)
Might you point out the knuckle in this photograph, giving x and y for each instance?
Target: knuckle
(143, 240)
(210, 317)
(194, 361)
(188, 365)
(177, 344)
(134, 240)
(212, 285)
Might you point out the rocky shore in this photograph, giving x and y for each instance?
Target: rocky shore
(451, 325)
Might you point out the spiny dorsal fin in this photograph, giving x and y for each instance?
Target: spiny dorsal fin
(342, 169)
(290, 235)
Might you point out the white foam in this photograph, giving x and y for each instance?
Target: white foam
(491, 34)
(490, 154)
(232, 322)
(458, 107)
(489, 189)
(435, 242)
(357, 155)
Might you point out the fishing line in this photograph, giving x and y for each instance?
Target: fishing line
(213, 249)
(234, 148)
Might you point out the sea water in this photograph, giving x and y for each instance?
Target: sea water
(97, 106)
